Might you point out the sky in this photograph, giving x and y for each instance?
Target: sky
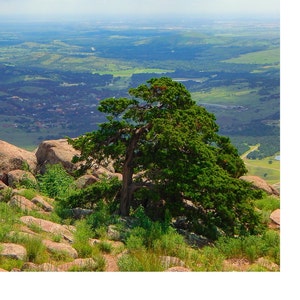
(140, 7)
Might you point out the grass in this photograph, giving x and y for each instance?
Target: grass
(267, 168)
(226, 95)
(271, 56)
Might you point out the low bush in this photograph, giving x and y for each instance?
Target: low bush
(81, 239)
(55, 182)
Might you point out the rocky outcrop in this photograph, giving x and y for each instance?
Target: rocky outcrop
(261, 184)
(60, 247)
(49, 226)
(14, 251)
(85, 180)
(79, 263)
(275, 217)
(14, 158)
(16, 177)
(23, 203)
(41, 202)
(56, 152)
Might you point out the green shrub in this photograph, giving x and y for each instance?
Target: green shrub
(211, 259)
(27, 183)
(94, 195)
(135, 242)
(55, 182)
(172, 244)
(10, 263)
(6, 194)
(140, 261)
(28, 193)
(251, 247)
(105, 247)
(8, 218)
(36, 250)
(81, 239)
(268, 203)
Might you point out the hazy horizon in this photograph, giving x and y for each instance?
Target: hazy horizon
(67, 9)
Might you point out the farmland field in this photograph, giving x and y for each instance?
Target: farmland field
(53, 75)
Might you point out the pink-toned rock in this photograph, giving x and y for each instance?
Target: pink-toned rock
(16, 177)
(56, 152)
(23, 203)
(14, 251)
(88, 263)
(60, 247)
(170, 261)
(275, 216)
(264, 262)
(41, 202)
(85, 180)
(261, 184)
(13, 158)
(46, 267)
(49, 226)
(101, 171)
(178, 269)
(2, 270)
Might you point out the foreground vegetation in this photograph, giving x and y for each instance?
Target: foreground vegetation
(145, 244)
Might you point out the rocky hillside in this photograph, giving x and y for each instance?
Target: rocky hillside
(33, 238)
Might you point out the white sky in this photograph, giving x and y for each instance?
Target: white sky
(98, 7)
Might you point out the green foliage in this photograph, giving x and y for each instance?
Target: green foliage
(105, 247)
(36, 251)
(174, 144)
(93, 195)
(27, 183)
(8, 218)
(55, 182)
(28, 193)
(10, 263)
(211, 260)
(81, 239)
(6, 194)
(140, 261)
(268, 203)
(251, 247)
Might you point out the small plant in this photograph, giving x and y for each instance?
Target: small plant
(140, 261)
(61, 256)
(211, 259)
(10, 263)
(35, 228)
(105, 247)
(6, 194)
(57, 238)
(28, 193)
(36, 250)
(81, 239)
(8, 218)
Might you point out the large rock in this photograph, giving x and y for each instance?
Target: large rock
(49, 226)
(85, 180)
(41, 202)
(14, 251)
(13, 158)
(261, 184)
(16, 177)
(275, 216)
(79, 263)
(60, 247)
(56, 152)
(23, 203)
